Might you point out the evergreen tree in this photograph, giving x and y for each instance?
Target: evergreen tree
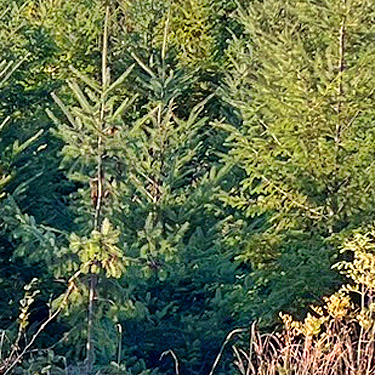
(302, 81)
(154, 246)
(154, 183)
(20, 148)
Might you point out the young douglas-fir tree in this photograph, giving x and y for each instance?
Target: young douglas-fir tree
(303, 81)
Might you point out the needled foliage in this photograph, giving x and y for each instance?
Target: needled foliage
(302, 80)
(21, 146)
(157, 194)
(171, 170)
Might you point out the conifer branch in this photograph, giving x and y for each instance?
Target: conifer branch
(316, 214)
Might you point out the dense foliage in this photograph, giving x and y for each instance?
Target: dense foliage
(172, 170)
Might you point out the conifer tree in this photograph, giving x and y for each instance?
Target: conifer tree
(19, 150)
(152, 187)
(302, 82)
(10, 155)
(92, 122)
(156, 255)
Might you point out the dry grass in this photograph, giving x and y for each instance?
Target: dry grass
(342, 349)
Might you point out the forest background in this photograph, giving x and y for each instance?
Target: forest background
(173, 170)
